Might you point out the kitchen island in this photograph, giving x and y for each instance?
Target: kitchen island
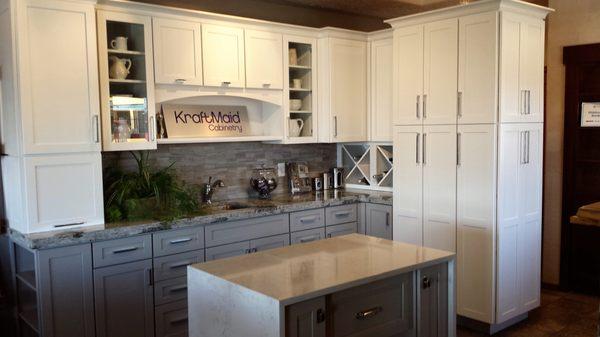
(351, 285)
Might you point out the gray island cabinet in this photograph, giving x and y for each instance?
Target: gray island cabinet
(347, 286)
(136, 285)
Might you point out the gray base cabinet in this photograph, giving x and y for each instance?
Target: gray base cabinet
(124, 300)
(172, 320)
(378, 221)
(66, 291)
(306, 319)
(432, 297)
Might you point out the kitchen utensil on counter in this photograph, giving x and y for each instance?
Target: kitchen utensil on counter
(317, 183)
(327, 181)
(297, 83)
(263, 181)
(119, 68)
(293, 55)
(296, 125)
(295, 104)
(338, 177)
(119, 43)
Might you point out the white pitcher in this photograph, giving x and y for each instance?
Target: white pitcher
(296, 126)
(119, 68)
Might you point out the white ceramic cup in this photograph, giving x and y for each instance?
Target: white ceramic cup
(297, 83)
(119, 43)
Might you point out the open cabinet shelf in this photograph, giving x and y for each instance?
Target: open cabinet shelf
(367, 165)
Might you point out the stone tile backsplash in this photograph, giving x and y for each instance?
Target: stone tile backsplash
(231, 162)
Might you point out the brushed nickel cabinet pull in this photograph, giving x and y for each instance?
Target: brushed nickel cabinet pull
(178, 288)
(226, 82)
(152, 128)
(417, 149)
(69, 224)
(522, 145)
(335, 131)
(458, 150)
(424, 106)
(309, 239)
(424, 149)
(96, 129)
(366, 314)
(418, 106)
(528, 143)
(459, 104)
(180, 80)
(125, 250)
(180, 264)
(182, 240)
(529, 102)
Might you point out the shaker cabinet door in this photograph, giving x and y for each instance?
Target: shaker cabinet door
(177, 51)
(408, 75)
(380, 110)
(440, 72)
(124, 300)
(264, 60)
(58, 76)
(379, 221)
(306, 319)
(223, 56)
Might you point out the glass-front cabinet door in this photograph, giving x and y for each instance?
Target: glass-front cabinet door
(126, 81)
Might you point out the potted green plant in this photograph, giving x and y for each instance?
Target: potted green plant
(147, 193)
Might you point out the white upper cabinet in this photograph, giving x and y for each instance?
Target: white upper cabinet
(342, 90)
(478, 68)
(522, 69)
(264, 60)
(58, 76)
(177, 51)
(223, 56)
(440, 72)
(380, 110)
(426, 68)
(408, 75)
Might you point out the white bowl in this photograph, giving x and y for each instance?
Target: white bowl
(295, 104)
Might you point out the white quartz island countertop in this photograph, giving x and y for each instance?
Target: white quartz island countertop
(264, 283)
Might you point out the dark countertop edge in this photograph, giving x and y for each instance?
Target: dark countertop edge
(70, 238)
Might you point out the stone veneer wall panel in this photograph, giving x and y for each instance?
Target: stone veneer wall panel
(231, 162)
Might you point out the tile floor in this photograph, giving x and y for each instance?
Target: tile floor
(560, 315)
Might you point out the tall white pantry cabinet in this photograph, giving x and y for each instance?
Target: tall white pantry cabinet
(468, 137)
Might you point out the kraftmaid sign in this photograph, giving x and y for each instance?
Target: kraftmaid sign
(590, 114)
(194, 121)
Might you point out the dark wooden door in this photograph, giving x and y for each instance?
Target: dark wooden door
(581, 169)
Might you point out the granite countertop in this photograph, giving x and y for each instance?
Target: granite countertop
(295, 273)
(237, 209)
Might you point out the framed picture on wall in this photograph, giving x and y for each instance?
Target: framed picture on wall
(590, 114)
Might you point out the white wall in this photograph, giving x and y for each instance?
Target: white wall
(574, 22)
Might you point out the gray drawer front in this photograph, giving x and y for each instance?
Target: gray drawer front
(168, 267)
(271, 242)
(172, 319)
(308, 235)
(340, 214)
(343, 229)
(170, 290)
(235, 231)
(178, 241)
(382, 308)
(230, 250)
(118, 251)
(312, 218)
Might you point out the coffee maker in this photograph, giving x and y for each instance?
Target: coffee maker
(299, 180)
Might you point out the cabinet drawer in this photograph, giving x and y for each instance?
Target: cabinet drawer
(382, 308)
(172, 319)
(271, 242)
(311, 218)
(170, 290)
(168, 267)
(230, 250)
(178, 241)
(308, 235)
(340, 214)
(235, 231)
(343, 229)
(111, 252)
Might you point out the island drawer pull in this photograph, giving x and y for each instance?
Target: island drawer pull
(178, 288)
(183, 240)
(70, 224)
(309, 238)
(366, 314)
(179, 320)
(342, 214)
(125, 250)
(180, 264)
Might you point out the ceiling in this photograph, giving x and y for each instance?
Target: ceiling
(363, 15)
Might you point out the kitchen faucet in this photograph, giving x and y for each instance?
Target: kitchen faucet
(209, 189)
